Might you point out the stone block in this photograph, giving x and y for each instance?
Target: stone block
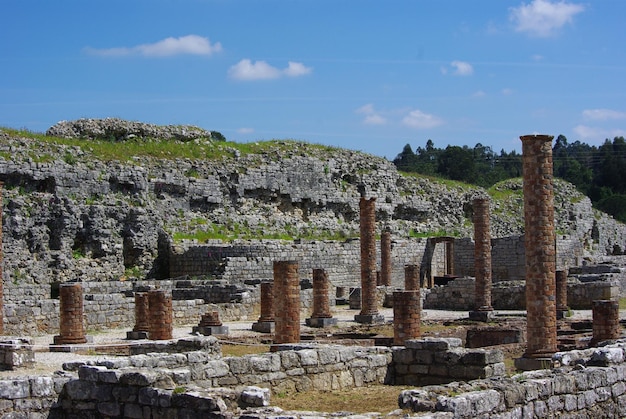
(482, 357)
(210, 330)
(531, 364)
(320, 322)
(434, 344)
(369, 318)
(264, 327)
(132, 335)
(482, 316)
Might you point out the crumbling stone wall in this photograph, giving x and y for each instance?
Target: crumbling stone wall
(109, 305)
(595, 388)
(459, 294)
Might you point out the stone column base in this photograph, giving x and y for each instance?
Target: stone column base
(136, 335)
(60, 345)
(369, 318)
(482, 315)
(531, 364)
(264, 327)
(320, 321)
(210, 330)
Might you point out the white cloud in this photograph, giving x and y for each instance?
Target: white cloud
(585, 132)
(507, 91)
(372, 117)
(419, 119)
(245, 130)
(479, 93)
(247, 70)
(461, 68)
(602, 114)
(261, 70)
(542, 18)
(190, 44)
(297, 69)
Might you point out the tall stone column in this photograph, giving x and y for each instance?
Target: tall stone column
(1, 265)
(369, 301)
(286, 302)
(161, 315)
(266, 323)
(540, 251)
(321, 315)
(411, 277)
(561, 294)
(406, 316)
(385, 258)
(605, 321)
(483, 311)
(142, 317)
(72, 330)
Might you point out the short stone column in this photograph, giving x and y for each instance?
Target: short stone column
(483, 311)
(605, 321)
(286, 302)
(540, 252)
(142, 317)
(210, 324)
(160, 306)
(406, 316)
(72, 330)
(562, 309)
(411, 277)
(321, 316)
(1, 265)
(385, 258)
(266, 323)
(369, 300)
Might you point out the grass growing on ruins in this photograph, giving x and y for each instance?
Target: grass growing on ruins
(383, 399)
(427, 234)
(107, 150)
(622, 303)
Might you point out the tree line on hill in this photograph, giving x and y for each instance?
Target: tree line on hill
(598, 172)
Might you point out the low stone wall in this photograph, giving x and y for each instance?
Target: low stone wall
(511, 295)
(31, 397)
(110, 305)
(577, 389)
(585, 383)
(436, 361)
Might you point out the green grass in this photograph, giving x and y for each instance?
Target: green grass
(210, 231)
(106, 150)
(439, 233)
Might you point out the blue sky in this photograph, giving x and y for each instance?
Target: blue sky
(365, 75)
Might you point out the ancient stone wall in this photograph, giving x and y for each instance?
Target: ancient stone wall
(109, 305)
(584, 383)
(459, 294)
(596, 388)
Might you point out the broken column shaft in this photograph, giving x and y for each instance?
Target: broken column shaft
(321, 315)
(72, 330)
(483, 311)
(286, 302)
(265, 323)
(160, 305)
(369, 300)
